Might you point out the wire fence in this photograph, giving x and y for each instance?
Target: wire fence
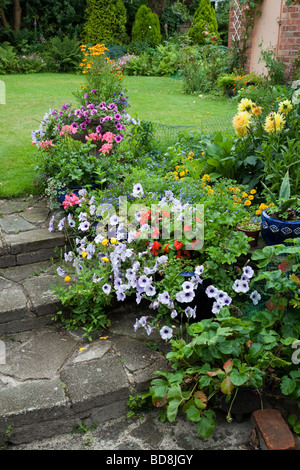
(208, 126)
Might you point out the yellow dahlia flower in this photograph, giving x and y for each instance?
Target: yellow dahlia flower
(246, 105)
(285, 107)
(274, 123)
(241, 123)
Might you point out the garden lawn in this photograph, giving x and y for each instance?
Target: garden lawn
(29, 97)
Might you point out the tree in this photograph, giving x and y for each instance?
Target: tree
(146, 26)
(204, 20)
(105, 21)
(11, 9)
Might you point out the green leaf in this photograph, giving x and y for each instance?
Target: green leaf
(172, 409)
(193, 413)
(285, 189)
(238, 378)
(287, 385)
(207, 424)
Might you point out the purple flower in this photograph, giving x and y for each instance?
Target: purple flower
(60, 272)
(187, 286)
(106, 289)
(164, 298)
(190, 312)
(94, 90)
(117, 116)
(98, 128)
(211, 291)
(248, 271)
(255, 297)
(166, 332)
(118, 138)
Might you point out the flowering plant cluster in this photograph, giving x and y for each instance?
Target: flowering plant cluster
(136, 253)
(248, 118)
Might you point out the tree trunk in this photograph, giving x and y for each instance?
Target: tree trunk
(17, 15)
(157, 6)
(3, 18)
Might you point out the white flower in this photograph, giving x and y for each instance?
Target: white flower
(166, 332)
(187, 286)
(199, 270)
(190, 312)
(164, 298)
(255, 297)
(211, 291)
(248, 272)
(106, 289)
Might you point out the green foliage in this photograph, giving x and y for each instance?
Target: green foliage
(146, 26)
(7, 58)
(204, 20)
(66, 52)
(105, 21)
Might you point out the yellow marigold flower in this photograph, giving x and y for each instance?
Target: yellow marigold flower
(274, 123)
(253, 191)
(182, 173)
(241, 123)
(251, 197)
(246, 105)
(263, 206)
(285, 107)
(258, 212)
(105, 241)
(244, 195)
(205, 178)
(247, 203)
(67, 279)
(105, 258)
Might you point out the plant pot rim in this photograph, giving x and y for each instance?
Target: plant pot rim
(285, 221)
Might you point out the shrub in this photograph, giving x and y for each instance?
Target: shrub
(66, 52)
(105, 20)
(204, 22)
(146, 27)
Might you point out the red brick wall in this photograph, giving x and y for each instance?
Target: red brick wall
(288, 38)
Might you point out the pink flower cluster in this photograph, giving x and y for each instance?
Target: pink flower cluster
(70, 200)
(46, 144)
(108, 137)
(65, 130)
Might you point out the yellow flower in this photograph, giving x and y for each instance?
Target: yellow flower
(84, 254)
(205, 178)
(258, 212)
(285, 106)
(244, 195)
(105, 241)
(182, 173)
(256, 111)
(114, 241)
(251, 197)
(247, 203)
(253, 191)
(105, 258)
(274, 123)
(241, 123)
(67, 279)
(263, 206)
(246, 105)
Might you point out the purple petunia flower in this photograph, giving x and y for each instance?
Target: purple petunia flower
(166, 332)
(106, 289)
(164, 298)
(211, 291)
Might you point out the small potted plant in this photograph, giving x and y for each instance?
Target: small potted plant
(251, 227)
(281, 221)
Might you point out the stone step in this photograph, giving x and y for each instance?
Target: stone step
(51, 380)
(26, 297)
(24, 233)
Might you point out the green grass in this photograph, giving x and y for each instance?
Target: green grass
(29, 97)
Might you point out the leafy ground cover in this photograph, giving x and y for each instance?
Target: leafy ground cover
(29, 97)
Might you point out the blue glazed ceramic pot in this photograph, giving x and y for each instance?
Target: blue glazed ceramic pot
(275, 232)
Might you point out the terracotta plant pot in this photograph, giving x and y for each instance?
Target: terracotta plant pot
(254, 234)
